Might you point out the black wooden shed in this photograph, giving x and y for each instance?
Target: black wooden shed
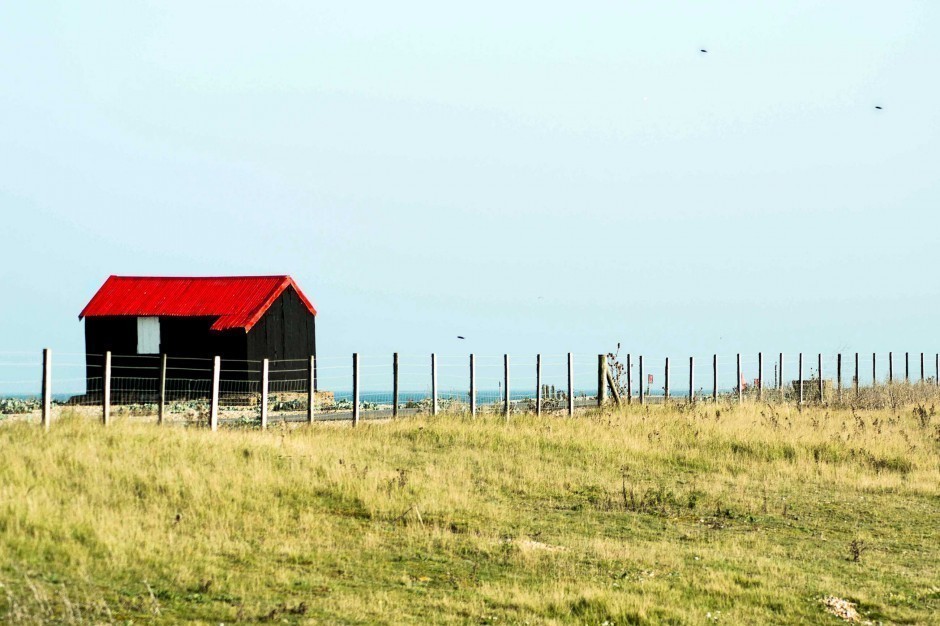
(242, 319)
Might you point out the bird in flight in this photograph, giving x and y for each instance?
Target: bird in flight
(460, 337)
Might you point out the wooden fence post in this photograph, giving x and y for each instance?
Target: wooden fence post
(642, 382)
(570, 384)
(433, 384)
(161, 407)
(506, 384)
(819, 368)
(355, 382)
(760, 376)
(395, 393)
(46, 388)
(936, 369)
(311, 389)
(921, 367)
(800, 380)
(890, 368)
(856, 381)
(874, 370)
(264, 393)
(106, 394)
(629, 381)
(473, 388)
(691, 380)
(538, 385)
(715, 377)
(601, 379)
(740, 381)
(666, 383)
(907, 367)
(214, 398)
(839, 375)
(783, 389)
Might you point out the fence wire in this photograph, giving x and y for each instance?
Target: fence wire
(138, 382)
(20, 384)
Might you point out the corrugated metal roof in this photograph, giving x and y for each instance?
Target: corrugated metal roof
(237, 301)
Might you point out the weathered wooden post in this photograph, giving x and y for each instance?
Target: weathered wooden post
(691, 380)
(629, 381)
(642, 382)
(264, 393)
(506, 384)
(106, 395)
(312, 389)
(355, 382)
(715, 377)
(921, 367)
(855, 382)
(214, 397)
(907, 367)
(800, 382)
(394, 384)
(570, 384)
(890, 367)
(433, 384)
(760, 376)
(783, 389)
(874, 371)
(161, 407)
(819, 368)
(839, 375)
(473, 388)
(46, 388)
(601, 379)
(936, 369)
(740, 381)
(538, 385)
(666, 384)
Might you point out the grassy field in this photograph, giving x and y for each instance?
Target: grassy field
(676, 515)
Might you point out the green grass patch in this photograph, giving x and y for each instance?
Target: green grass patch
(639, 516)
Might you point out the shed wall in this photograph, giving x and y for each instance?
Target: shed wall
(286, 332)
(186, 339)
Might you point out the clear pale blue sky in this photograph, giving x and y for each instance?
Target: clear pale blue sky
(535, 176)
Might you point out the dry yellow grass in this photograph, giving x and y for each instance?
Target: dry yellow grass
(679, 515)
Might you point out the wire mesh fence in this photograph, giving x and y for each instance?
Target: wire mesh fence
(453, 386)
(180, 389)
(20, 384)
(334, 392)
(376, 377)
(554, 383)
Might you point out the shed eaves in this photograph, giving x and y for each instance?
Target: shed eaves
(236, 301)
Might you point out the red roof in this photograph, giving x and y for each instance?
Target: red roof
(237, 301)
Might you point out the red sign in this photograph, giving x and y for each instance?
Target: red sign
(650, 379)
